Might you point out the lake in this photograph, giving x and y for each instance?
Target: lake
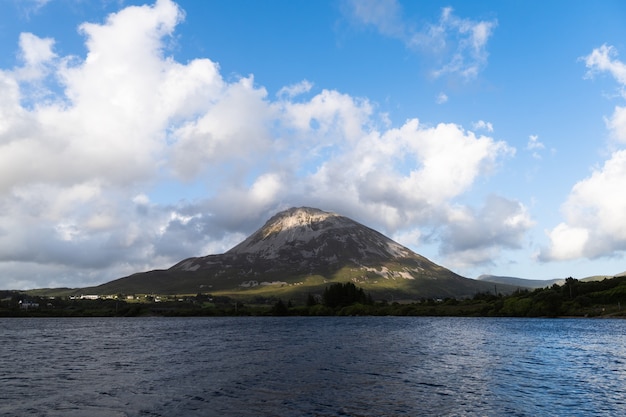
(312, 366)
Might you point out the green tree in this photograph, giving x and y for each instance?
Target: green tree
(341, 295)
(280, 309)
(310, 300)
(546, 303)
(570, 288)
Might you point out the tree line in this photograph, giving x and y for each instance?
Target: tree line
(573, 298)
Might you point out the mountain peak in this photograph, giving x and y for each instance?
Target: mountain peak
(296, 217)
(312, 233)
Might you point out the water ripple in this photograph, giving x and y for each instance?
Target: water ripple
(317, 367)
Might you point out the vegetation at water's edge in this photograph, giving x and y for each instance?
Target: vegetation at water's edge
(574, 298)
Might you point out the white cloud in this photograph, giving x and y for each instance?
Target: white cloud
(108, 123)
(594, 215)
(409, 237)
(617, 124)
(534, 145)
(328, 115)
(141, 199)
(476, 236)
(460, 43)
(78, 166)
(385, 15)
(295, 89)
(35, 53)
(566, 242)
(602, 59)
(441, 98)
(405, 176)
(594, 210)
(29, 7)
(482, 125)
(218, 136)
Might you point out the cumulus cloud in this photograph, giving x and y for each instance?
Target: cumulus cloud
(80, 163)
(594, 215)
(459, 43)
(404, 176)
(474, 237)
(218, 136)
(35, 53)
(594, 210)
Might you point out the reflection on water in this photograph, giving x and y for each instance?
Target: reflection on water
(299, 366)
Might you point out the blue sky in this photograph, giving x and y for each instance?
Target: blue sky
(488, 136)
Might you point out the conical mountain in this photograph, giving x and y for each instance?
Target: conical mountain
(314, 237)
(300, 251)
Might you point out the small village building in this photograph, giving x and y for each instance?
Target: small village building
(28, 304)
(89, 297)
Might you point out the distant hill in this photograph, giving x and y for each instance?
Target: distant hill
(536, 283)
(300, 251)
(521, 282)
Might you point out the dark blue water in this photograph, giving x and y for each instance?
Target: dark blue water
(298, 366)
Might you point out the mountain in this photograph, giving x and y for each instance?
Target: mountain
(300, 251)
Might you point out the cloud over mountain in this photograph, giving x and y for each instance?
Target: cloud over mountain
(89, 145)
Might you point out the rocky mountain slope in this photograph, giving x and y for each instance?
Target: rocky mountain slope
(300, 251)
